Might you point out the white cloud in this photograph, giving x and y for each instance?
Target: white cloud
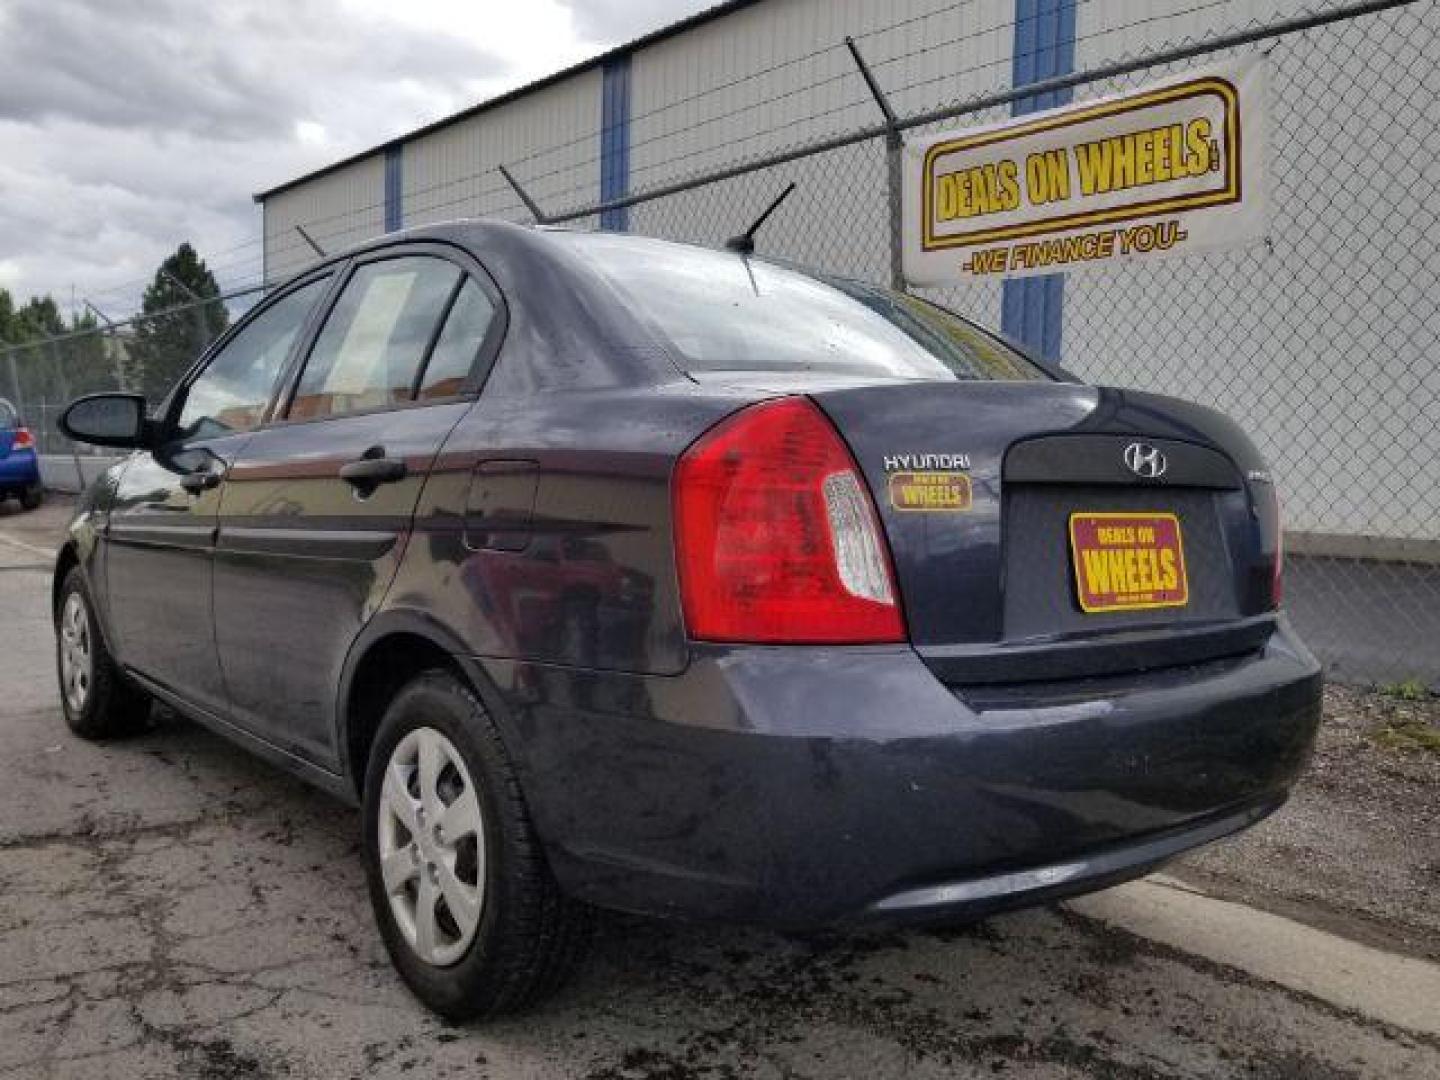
(127, 128)
(309, 133)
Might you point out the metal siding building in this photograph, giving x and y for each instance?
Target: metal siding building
(754, 76)
(549, 135)
(338, 208)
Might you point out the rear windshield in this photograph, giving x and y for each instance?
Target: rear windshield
(7, 415)
(721, 312)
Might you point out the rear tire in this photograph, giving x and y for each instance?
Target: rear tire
(32, 497)
(98, 700)
(458, 829)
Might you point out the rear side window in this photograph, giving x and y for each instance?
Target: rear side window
(232, 392)
(369, 353)
(721, 312)
(459, 343)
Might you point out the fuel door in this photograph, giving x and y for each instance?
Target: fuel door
(500, 505)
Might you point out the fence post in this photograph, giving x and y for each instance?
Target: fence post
(115, 353)
(107, 343)
(14, 380)
(202, 326)
(319, 251)
(894, 165)
(59, 362)
(198, 302)
(541, 218)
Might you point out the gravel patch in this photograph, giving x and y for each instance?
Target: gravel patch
(1357, 849)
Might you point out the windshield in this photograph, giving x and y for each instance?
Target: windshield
(721, 312)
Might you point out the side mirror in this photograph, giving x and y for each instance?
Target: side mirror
(107, 420)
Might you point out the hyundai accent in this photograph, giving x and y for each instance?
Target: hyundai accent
(605, 571)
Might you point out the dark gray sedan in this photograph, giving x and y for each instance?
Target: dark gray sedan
(607, 571)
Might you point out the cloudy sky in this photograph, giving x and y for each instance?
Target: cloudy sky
(126, 127)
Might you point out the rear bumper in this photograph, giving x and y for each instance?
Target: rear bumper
(19, 469)
(801, 787)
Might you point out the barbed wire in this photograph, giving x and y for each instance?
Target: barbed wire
(639, 120)
(1334, 380)
(279, 252)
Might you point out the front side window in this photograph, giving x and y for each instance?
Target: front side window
(369, 353)
(231, 394)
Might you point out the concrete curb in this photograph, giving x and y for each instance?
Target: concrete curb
(1398, 990)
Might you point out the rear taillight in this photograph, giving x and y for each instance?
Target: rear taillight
(776, 538)
(24, 440)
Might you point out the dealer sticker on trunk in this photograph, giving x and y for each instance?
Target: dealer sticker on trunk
(933, 491)
(1128, 562)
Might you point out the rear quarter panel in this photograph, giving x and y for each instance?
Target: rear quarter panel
(583, 575)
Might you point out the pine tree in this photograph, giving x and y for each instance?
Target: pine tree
(7, 318)
(169, 340)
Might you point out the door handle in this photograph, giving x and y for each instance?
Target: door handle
(372, 469)
(196, 482)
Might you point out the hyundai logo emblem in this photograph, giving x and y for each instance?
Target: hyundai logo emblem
(1145, 461)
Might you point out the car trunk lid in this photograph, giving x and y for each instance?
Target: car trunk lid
(991, 495)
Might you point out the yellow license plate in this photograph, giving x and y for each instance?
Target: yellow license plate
(1128, 562)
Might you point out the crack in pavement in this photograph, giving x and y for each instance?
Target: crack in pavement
(170, 906)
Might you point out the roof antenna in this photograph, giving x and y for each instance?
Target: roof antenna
(744, 244)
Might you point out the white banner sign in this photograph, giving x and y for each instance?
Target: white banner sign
(1175, 167)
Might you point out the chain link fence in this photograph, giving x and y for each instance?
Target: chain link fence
(1321, 342)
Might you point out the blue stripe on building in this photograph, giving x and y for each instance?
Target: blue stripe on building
(1032, 309)
(394, 157)
(615, 140)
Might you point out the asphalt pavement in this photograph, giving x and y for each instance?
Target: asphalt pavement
(170, 906)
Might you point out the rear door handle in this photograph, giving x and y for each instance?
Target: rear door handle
(196, 482)
(372, 469)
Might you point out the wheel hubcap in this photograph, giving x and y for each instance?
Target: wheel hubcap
(432, 846)
(76, 660)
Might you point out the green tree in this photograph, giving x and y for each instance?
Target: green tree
(31, 372)
(39, 318)
(88, 357)
(174, 329)
(7, 318)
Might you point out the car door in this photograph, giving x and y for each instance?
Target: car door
(318, 506)
(160, 538)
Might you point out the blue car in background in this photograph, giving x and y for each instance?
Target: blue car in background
(19, 466)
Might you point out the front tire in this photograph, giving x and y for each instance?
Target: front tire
(98, 700)
(469, 912)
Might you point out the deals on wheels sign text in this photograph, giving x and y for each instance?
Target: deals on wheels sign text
(1176, 166)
